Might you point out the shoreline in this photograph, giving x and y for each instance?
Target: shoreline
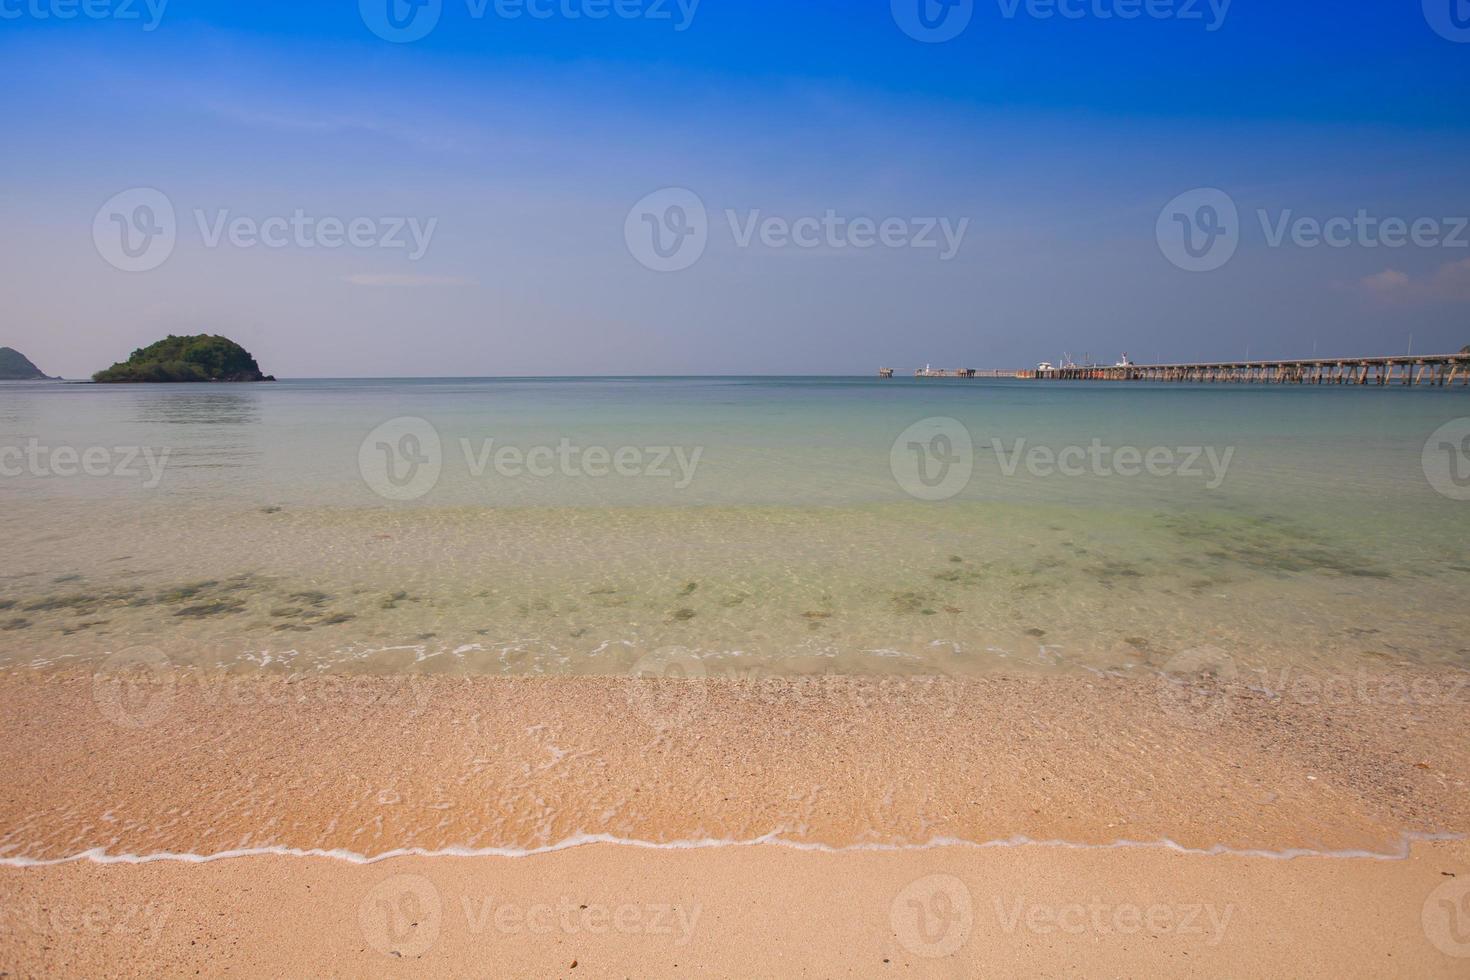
(100, 857)
(603, 910)
(373, 765)
(1161, 826)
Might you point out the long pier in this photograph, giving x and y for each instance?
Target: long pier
(1429, 370)
(1435, 370)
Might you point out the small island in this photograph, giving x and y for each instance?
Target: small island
(203, 357)
(15, 366)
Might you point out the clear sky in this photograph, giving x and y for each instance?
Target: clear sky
(1046, 139)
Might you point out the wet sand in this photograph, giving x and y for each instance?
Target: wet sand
(609, 911)
(1302, 829)
(151, 759)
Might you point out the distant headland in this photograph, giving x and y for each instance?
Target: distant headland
(203, 357)
(15, 366)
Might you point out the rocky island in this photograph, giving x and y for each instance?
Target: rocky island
(203, 357)
(15, 366)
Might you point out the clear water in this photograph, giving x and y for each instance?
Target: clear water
(786, 543)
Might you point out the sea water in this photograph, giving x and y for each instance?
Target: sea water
(784, 525)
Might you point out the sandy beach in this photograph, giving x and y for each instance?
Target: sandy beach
(1207, 825)
(372, 765)
(646, 488)
(610, 911)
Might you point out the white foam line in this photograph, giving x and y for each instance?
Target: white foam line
(99, 856)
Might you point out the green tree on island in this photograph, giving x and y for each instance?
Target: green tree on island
(204, 357)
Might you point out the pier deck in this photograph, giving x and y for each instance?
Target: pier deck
(1433, 370)
(1430, 369)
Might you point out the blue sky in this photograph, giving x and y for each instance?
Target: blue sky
(522, 143)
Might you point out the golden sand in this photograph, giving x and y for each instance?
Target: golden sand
(177, 761)
(609, 911)
(161, 761)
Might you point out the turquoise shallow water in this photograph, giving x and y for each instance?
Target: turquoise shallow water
(764, 441)
(574, 525)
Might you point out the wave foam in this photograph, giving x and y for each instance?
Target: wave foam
(100, 856)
